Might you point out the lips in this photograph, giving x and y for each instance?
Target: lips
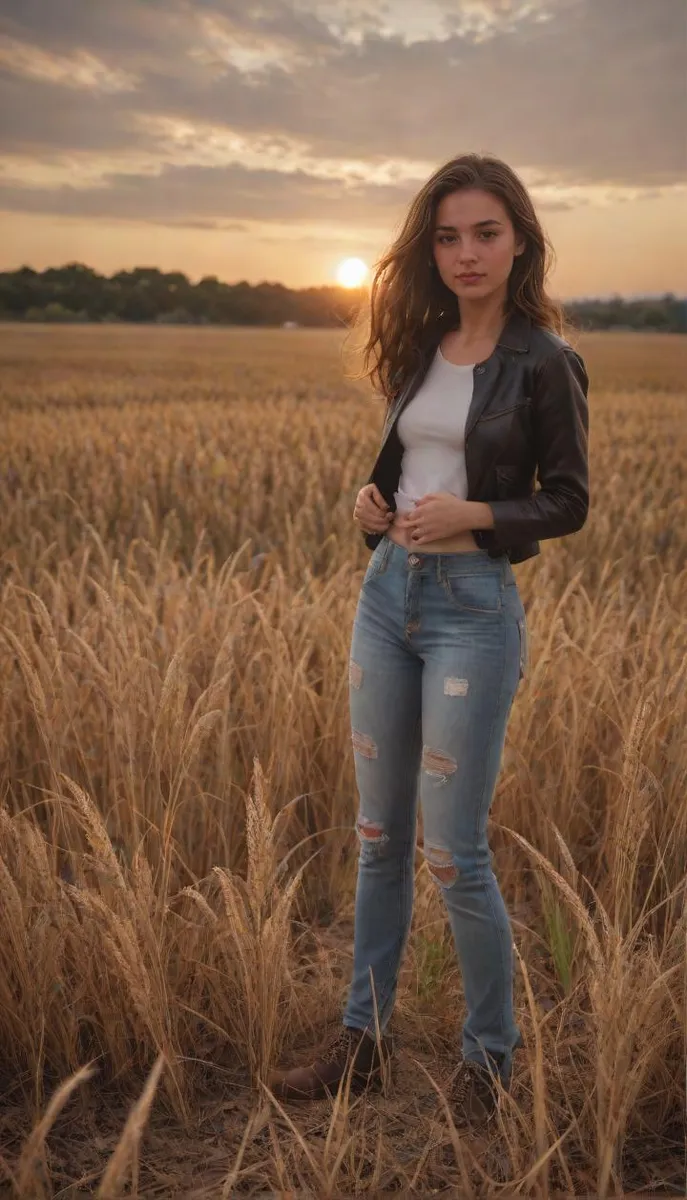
(472, 278)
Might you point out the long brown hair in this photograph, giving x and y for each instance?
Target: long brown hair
(409, 305)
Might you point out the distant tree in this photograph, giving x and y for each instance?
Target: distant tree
(178, 316)
(146, 294)
(52, 312)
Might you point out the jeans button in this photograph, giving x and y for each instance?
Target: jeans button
(413, 560)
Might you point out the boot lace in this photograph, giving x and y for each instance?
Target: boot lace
(339, 1048)
(472, 1076)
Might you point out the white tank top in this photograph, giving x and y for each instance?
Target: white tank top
(431, 430)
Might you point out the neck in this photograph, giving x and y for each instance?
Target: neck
(481, 320)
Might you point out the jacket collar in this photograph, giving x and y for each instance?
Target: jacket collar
(515, 335)
(516, 332)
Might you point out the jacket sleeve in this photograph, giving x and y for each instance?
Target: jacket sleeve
(560, 420)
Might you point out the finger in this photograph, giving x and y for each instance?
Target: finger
(379, 520)
(371, 512)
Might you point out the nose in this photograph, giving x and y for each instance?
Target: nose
(467, 253)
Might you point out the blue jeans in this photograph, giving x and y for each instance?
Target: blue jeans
(438, 649)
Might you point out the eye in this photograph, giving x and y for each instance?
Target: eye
(489, 233)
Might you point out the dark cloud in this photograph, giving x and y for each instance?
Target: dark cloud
(211, 196)
(594, 93)
(135, 30)
(40, 119)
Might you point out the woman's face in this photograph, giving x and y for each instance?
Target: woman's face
(474, 243)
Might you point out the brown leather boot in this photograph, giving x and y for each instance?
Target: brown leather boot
(351, 1050)
(473, 1094)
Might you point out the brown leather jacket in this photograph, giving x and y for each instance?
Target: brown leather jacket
(528, 414)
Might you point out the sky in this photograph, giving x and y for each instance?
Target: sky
(270, 140)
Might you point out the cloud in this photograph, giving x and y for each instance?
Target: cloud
(212, 194)
(81, 70)
(571, 92)
(40, 119)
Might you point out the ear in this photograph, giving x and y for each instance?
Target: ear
(520, 246)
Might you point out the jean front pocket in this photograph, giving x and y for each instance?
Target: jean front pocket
(378, 561)
(478, 593)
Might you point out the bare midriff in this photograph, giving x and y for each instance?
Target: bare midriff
(460, 543)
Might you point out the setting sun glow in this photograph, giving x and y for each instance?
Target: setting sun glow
(351, 272)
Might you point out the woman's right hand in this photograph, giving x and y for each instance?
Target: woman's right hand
(371, 511)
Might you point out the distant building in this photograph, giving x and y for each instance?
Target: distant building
(290, 325)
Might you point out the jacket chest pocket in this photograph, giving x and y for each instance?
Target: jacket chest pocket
(508, 410)
(507, 431)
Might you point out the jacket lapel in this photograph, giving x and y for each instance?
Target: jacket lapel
(484, 377)
(515, 335)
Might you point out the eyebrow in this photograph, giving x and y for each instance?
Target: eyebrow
(477, 225)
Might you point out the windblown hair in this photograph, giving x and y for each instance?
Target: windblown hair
(410, 307)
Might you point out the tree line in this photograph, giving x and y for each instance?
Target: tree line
(76, 292)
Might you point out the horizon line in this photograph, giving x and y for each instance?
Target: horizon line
(579, 299)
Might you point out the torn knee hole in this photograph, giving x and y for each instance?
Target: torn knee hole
(455, 687)
(355, 675)
(438, 764)
(363, 743)
(371, 835)
(441, 864)
(370, 830)
(446, 875)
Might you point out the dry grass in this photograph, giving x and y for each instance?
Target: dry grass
(178, 575)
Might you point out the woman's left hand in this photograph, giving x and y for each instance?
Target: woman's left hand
(438, 515)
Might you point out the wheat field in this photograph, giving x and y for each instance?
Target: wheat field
(178, 577)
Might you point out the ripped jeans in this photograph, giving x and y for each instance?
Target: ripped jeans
(439, 647)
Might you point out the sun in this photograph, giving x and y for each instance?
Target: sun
(351, 272)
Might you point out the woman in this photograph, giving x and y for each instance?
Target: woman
(482, 391)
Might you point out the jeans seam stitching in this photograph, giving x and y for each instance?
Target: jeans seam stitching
(480, 870)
